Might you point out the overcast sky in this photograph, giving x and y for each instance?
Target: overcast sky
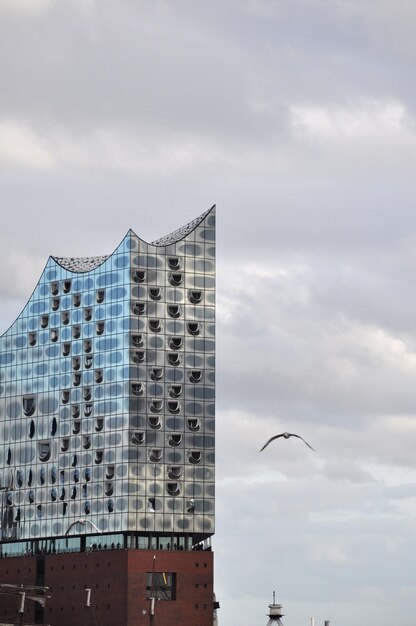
(297, 118)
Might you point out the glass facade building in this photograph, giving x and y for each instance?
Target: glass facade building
(107, 407)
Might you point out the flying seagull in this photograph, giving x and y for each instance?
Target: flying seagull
(286, 436)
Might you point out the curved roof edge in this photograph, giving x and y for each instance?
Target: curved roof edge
(80, 264)
(86, 264)
(180, 233)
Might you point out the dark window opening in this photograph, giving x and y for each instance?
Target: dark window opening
(87, 345)
(66, 349)
(174, 310)
(175, 343)
(99, 328)
(32, 339)
(76, 331)
(175, 279)
(100, 296)
(175, 439)
(139, 276)
(174, 406)
(156, 373)
(29, 405)
(76, 299)
(193, 424)
(174, 358)
(173, 262)
(194, 328)
(175, 391)
(65, 317)
(88, 314)
(155, 293)
(173, 489)
(55, 304)
(66, 286)
(54, 335)
(44, 321)
(195, 376)
(137, 389)
(195, 457)
(194, 296)
(156, 455)
(155, 422)
(54, 288)
(137, 438)
(137, 340)
(66, 394)
(139, 308)
(155, 325)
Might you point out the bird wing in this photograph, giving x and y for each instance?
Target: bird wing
(299, 437)
(270, 440)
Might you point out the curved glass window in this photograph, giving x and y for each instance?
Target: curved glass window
(75, 410)
(65, 444)
(99, 424)
(173, 263)
(175, 391)
(29, 405)
(31, 429)
(100, 327)
(88, 314)
(108, 489)
(137, 389)
(65, 317)
(76, 363)
(55, 304)
(139, 276)
(175, 471)
(98, 375)
(32, 339)
(76, 379)
(173, 489)
(156, 405)
(54, 335)
(54, 426)
(175, 439)
(138, 356)
(195, 376)
(86, 442)
(174, 406)
(137, 438)
(66, 286)
(44, 450)
(194, 328)
(88, 410)
(98, 456)
(195, 457)
(44, 321)
(137, 340)
(190, 506)
(139, 308)
(194, 296)
(155, 325)
(175, 343)
(66, 349)
(54, 288)
(76, 299)
(87, 345)
(155, 293)
(193, 424)
(100, 295)
(110, 471)
(175, 279)
(65, 395)
(87, 393)
(174, 358)
(156, 373)
(156, 455)
(76, 427)
(174, 310)
(76, 331)
(155, 422)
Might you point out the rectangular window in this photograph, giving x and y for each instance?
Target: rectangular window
(161, 585)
